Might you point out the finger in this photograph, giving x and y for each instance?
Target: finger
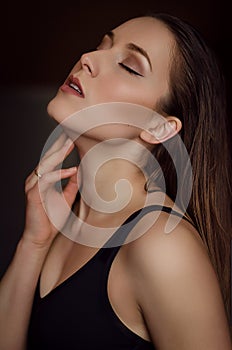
(49, 163)
(58, 144)
(52, 177)
(30, 181)
(71, 189)
(32, 178)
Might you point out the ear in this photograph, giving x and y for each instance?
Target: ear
(171, 126)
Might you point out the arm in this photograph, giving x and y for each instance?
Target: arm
(16, 294)
(178, 292)
(18, 285)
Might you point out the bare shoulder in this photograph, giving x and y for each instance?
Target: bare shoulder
(176, 288)
(168, 240)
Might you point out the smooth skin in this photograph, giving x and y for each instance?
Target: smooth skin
(169, 293)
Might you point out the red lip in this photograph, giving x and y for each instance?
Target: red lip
(68, 88)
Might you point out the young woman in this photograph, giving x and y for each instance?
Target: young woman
(156, 291)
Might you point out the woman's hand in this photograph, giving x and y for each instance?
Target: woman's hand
(45, 214)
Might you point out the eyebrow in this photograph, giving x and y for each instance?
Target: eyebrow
(133, 47)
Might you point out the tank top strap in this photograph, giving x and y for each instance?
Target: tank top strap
(123, 231)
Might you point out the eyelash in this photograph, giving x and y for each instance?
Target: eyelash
(129, 70)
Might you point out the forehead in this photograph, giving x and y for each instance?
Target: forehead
(149, 33)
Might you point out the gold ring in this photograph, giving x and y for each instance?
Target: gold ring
(37, 174)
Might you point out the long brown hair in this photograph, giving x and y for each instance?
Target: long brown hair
(198, 98)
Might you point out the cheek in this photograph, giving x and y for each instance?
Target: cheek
(114, 90)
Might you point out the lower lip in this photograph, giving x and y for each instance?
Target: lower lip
(69, 90)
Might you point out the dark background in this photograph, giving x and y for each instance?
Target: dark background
(40, 42)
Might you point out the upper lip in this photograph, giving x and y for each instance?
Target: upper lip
(76, 83)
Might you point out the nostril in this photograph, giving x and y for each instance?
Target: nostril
(88, 67)
(87, 64)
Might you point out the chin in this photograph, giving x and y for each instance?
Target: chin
(51, 108)
(58, 109)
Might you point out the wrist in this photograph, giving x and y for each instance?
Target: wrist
(28, 239)
(30, 246)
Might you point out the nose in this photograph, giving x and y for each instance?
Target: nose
(89, 64)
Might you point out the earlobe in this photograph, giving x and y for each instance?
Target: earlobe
(168, 129)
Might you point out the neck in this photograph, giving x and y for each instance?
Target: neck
(111, 179)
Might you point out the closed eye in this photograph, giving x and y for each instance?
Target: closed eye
(129, 70)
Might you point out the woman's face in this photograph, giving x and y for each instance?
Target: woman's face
(131, 65)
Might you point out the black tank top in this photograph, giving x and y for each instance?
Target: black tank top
(77, 314)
